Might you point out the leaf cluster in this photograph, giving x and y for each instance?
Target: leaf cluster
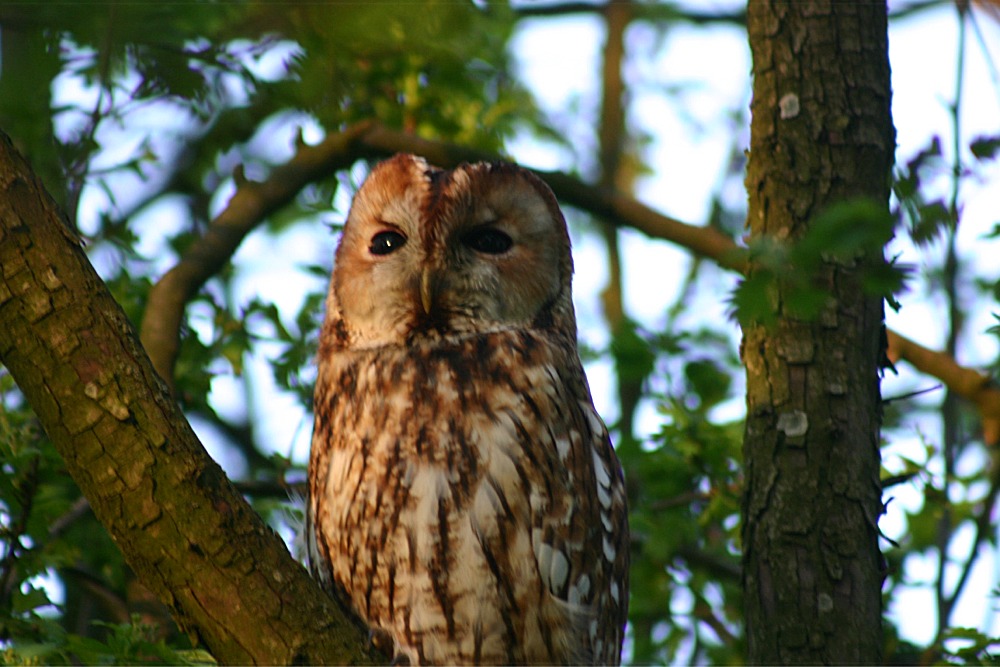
(792, 278)
(684, 488)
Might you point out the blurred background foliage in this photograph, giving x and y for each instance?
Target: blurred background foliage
(138, 115)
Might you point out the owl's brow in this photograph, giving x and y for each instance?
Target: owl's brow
(439, 181)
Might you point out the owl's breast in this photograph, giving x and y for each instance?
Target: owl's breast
(426, 467)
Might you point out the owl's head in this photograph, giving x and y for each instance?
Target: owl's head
(430, 252)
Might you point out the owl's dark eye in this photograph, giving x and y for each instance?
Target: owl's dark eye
(488, 240)
(386, 242)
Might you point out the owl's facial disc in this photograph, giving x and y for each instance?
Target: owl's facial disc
(444, 294)
(431, 252)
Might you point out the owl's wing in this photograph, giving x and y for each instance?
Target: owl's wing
(580, 533)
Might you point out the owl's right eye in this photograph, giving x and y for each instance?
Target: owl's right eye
(386, 242)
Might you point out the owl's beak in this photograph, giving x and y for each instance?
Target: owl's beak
(426, 290)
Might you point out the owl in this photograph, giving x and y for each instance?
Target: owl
(465, 501)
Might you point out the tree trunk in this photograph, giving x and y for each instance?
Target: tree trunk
(190, 537)
(821, 133)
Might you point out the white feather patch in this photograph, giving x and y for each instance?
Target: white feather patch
(579, 591)
(563, 447)
(609, 550)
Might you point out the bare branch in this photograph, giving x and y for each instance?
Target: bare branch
(618, 209)
(965, 382)
(611, 140)
(668, 13)
(253, 202)
(656, 12)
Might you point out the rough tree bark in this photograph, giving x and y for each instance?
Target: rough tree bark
(190, 537)
(821, 133)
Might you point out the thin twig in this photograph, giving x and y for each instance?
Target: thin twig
(951, 423)
(984, 530)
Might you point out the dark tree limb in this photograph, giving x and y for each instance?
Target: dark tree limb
(618, 209)
(612, 135)
(249, 207)
(182, 527)
(656, 12)
(179, 522)
(666, 13)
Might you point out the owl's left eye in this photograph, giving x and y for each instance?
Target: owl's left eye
(488, 240)
(386, 242)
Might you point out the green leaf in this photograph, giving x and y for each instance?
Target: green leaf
(930, 220)
(985, 148)
(754, 299)
(710, 382)
(632, 352)
(843, 231)
(29, 599)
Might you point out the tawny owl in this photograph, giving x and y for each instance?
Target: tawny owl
(465, 500)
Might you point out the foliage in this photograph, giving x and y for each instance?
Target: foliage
(847, 233)
(957, 501)
(132, 643)
(685, 518)
(47, 529)
(136, 116)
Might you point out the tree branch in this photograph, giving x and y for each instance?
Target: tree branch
(618, 209)
(984, 531)
(611, 134)
(968, 383)
(252, 203)
(182, 527)
(250, 206)
(668, 13)
(658, 13)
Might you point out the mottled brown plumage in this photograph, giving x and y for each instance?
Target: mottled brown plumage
(465, 500)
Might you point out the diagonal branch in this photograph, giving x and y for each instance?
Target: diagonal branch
(654, 12)
(984, 531)
(968, 383)
(251, 205)
(617, 208)
(181, 525)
